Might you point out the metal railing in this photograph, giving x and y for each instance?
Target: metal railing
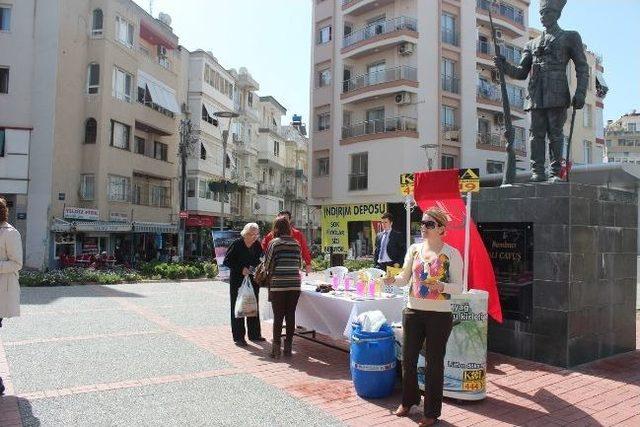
(502, 10)
(380, 28)
(388, 124)
(450, 83)
(403, 72)
(511, 55)
(485, 48)
(496, 140)
(492, 93)
(450, 37)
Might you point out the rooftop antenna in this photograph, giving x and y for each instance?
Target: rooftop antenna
(151, 7)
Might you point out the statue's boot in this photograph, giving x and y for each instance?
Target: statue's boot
(538, 177)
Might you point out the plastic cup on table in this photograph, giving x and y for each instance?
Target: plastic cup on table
(360, 288)
(372, 288)
(335, 282)
(347, 283)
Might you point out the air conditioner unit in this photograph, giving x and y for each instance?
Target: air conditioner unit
(452, 135)
(162, 51)
(406, 48)
(498, 34)
(498, 119)
(403, 98)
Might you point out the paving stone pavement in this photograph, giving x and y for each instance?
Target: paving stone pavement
(162, 355)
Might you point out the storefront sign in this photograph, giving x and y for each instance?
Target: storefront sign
(335, 220)
(118, 217)
(204, 221)
(103, 227)
(82, 213)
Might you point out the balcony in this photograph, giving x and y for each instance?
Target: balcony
(496, 142)
(450, 83)
(507, 16)
(492, 95)
(389, 127)
(378, 83)
(450, 37)
(380, 35)
(273, 129)
(512, 53)
(270, 190)
(268, 157)
(358, 7)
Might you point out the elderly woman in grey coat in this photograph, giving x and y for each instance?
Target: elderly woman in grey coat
(10, 265)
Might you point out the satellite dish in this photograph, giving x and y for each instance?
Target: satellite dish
(165, 18)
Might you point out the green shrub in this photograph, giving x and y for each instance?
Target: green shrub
(210, 269)
(358, 264)
(319, 264)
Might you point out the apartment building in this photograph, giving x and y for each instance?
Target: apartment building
(98, 110)
(587, 145)
(401, 85)
(623, 139)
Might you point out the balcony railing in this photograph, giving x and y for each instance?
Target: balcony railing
(450, 83)
(485, 48)
(504, 10)
(496, 140)
(380, 28)
(450, 37)
(512, 55)
(493, 93)
(383, 76)
(388, 124)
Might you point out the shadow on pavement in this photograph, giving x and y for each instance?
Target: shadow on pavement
(46, 295)
(26, 413)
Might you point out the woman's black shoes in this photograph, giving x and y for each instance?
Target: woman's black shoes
(287, 348)
(259, 339)
(241, 343)
(1, 387)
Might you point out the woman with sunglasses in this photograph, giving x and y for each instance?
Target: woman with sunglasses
(434, 271)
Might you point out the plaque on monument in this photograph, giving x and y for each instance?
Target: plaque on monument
(510, 247)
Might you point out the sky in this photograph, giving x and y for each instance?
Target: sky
(272, 38)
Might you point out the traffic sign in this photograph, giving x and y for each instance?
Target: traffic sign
(469, 180)
(407, 183)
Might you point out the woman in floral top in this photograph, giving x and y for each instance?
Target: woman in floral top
(434, 271)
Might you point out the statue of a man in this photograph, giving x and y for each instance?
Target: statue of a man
(544, 61)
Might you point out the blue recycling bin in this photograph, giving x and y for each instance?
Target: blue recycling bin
(373, 362)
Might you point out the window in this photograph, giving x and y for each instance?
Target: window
(4, 80)
(448, 75)
(203, 152)
(2, 142)
(324, 121)
(448, 161)
(359, 171)
(124, 31)
(586, 116)
(118, 188)
(203, 190)
(631, 127)
(93, 78)
(587, 151)
(494, 166)
(5, 18)
(512, 53)
(276, 148)
(87, 187)
(324, 35)
(250, 99)
(141, 145)
(90, 131)
(207, 118)
(159, 196)
(448, 24)
(120, 134)
(324, 77)
(122, 84)
(160, 151)
(216, 81)
(96, 23)
(191, 187)
(448, 118)
(323, 166)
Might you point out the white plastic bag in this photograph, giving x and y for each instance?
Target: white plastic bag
(246, 304)
(372, 321)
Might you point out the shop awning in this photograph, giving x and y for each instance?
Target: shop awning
(154, 227)
(161, 94)
(60, 226)
(102, 226)
(601, 84)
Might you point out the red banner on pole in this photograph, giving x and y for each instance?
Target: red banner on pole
(441, 188)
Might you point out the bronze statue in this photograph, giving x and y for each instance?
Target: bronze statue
(544, 61)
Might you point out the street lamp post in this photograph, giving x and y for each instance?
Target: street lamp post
(185, 148)
(427, 149)
(225, 136)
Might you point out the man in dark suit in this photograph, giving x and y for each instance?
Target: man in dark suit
(390, 248)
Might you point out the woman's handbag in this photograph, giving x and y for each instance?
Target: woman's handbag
(262, 277)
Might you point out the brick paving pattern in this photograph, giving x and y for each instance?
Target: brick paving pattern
(518, 392)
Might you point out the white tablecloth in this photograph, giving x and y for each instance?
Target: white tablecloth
(332, 315)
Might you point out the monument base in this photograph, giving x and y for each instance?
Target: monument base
(568, 284)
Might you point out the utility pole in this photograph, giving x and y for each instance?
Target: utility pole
(185, 148)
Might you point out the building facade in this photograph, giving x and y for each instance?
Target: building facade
(102, 165)
(623, 139)
(406, 85)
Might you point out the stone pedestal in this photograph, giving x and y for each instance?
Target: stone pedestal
(583, 291)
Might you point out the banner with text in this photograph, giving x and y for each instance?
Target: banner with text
(335, 220)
